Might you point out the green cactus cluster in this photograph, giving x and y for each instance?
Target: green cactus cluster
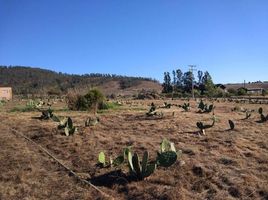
(205, 108)
(114, 163)
(186, 107)
(46, 114)
(263, 117)
(34, 104)
(67, 124)
(142, 168)
(152, 111)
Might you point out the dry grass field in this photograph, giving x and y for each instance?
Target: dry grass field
(222, 165)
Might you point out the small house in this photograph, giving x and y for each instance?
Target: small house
(255, 91)
(5, 93)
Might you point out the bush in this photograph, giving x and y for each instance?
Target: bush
(2, 102)
(264, 92)
(242, 91)
(232, 91)
(72, 99)
(90, 101)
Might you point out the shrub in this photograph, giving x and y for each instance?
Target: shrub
(242, 91)
(232, 91)
(2, 102)
(264, 92)
(72, 99)
(91, 101)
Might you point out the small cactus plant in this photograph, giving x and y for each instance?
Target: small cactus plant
(111, 163)
(248, 114)
(202, 126)
(263, 118)
(185, 107)
(152, 110)
(141, 169)
(46, 114)
(69, 129)
(201, 105)
(205, 108)
(101, 159)
(153, 107)
(67, 124)
(168, 154)
(231, 124)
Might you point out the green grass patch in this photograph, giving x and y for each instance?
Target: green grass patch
(109, 106)
(2, 102)
(22, 109)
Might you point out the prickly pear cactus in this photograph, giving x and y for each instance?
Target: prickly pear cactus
(141, 169)
(101, 158)
(167, 146)
(201, 105)
(118, 161)
(263, 118)
(166, 159)
(69, 129)
(260, 110)
(231, 124)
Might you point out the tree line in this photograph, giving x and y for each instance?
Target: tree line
(179, 82)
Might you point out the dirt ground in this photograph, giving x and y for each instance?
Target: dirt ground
(223, 164)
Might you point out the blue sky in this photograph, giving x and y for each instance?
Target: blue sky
(229, 38)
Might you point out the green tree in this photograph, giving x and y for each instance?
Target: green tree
(187, 81)
(200, 76)
(167, 87)
(179, 78)
(242, 91)
(174, 77)
(208, 86)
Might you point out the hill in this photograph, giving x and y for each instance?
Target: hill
(28, 80)
(250, 85)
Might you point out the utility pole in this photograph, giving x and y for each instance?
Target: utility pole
(192, 69)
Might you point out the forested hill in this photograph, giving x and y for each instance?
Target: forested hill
(28, 80)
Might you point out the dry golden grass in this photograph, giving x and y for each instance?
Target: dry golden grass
(220, 165)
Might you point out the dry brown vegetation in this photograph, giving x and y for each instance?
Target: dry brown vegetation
(220, 165)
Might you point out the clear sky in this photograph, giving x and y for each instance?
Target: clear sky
(229, 38)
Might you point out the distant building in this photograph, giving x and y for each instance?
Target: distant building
(5, 93)
(255, 91)
(251, 88)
